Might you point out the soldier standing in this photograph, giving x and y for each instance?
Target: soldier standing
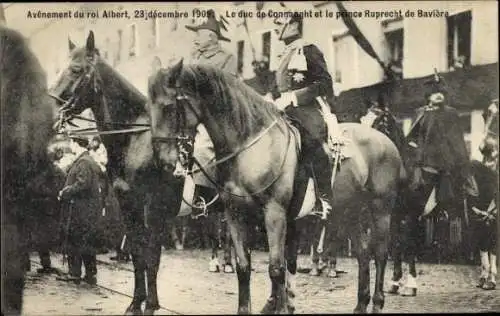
(81, 195)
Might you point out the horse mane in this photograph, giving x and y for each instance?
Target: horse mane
(229, 99)
(27, 109)
(127, 102)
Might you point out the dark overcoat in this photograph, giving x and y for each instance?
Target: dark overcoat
(81, 196)
(440, 147)
(439, 139)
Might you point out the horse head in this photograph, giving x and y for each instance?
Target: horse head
(174, 112)
(76, 88)
(184, 96)
(89, 82)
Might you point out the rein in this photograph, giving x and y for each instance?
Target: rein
(239, 151)
(69, 104)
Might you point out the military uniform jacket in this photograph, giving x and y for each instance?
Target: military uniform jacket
(82, 187)
(306, 81)
(218, 58)
(439, 139)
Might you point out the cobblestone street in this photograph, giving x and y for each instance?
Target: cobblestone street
(186, 287)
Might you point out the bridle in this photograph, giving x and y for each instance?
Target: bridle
(89, 79)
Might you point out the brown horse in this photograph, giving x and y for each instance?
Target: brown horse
(258, 170)
(149, 197)
(26, 122)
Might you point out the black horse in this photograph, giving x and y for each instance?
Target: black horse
(406, 227)
(26, 122)
(148, 196)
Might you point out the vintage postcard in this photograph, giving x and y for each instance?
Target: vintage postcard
(317, 157)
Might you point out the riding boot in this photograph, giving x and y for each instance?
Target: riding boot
(322, 170)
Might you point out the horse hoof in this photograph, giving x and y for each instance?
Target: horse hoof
(409, 292)
(270, 307)
(213, 266)
(332, 273)
(131, 311)
(213, 269)
(244, 311)
(179, 246)
(359, 310)
(228, 268)
(488, 286)
(394, 290)
(314, 272)
(376, 309)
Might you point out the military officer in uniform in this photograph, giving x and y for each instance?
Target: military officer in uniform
(301, 77)
(208, 51)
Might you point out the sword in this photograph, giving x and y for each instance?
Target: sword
(331, 121)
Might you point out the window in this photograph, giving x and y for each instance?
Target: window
(340, 56)
(119, 47)
(266, 45)
(155, 32)
(240, 56)
(132, 49)
(459, 39)
(394, 37)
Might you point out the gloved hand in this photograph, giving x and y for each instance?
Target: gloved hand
(286, 99)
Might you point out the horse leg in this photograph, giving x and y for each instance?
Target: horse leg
(410, 287)
(228, 266)
(239, 232)
(315, 256)
(275, 218)
(292, 244)
(139, 283)
(174, 236)
(381, 239)
(361, 244)
(331, 255)
(397, 255)
(213, 226)
(153, 264)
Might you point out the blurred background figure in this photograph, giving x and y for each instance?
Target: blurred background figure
(44, 216)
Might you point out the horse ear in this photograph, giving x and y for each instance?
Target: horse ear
(90, 42)
(71, 45)
(177, 68)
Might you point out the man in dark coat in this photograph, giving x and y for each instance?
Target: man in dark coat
(441, 155)
(301, 77)
(82, 199)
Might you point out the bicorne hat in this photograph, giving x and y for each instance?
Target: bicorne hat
(210, 23)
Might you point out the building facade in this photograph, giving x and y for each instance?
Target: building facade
(452, 34)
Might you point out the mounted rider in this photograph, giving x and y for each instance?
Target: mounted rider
(302, 77)
(441, 154)
(208, 51)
